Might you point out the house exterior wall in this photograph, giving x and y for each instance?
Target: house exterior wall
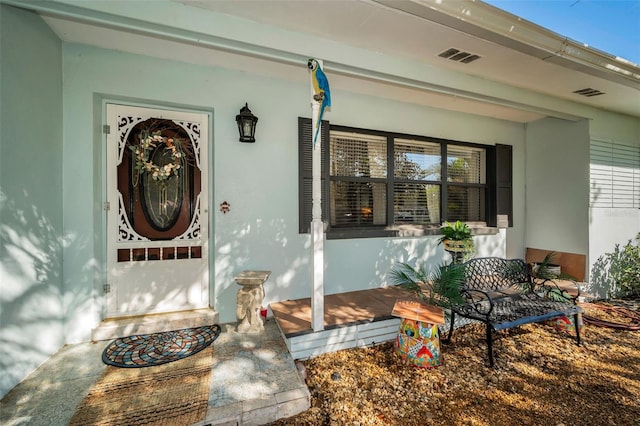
(559, 216)
(365, 263)
(258, 180)
(611, 226)
(31, 237)
(557, 185)
(63, 299)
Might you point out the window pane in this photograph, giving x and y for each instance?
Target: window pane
(358, 155)
(416, 203)
(358, 203)
(465, 204)
(466, 164)
(417, 160)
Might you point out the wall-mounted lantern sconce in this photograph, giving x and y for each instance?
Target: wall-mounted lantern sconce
(246, 124)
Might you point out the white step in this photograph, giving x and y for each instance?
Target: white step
(144, 324)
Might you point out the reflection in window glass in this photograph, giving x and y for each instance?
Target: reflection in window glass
(358, 203)
(417, 160)
(416, 203)
(358, 155)
(162, 200)
(466, 203)
(466, 164)
(378, 180)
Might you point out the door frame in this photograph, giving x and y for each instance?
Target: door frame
(207, 182)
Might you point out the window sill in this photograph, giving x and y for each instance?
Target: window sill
(402, 231)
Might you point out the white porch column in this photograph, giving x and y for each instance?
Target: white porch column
(317, 227)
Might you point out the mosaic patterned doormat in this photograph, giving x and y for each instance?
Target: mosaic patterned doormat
(146, 350)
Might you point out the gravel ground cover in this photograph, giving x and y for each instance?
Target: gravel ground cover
(541, 378)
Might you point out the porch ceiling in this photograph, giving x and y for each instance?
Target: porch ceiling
(422, 29)
(414, 30)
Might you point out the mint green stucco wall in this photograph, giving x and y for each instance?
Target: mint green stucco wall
(53, 239)
(611, 226)
(31, 237)
(558, 215)
(258, 180)
(557, 179)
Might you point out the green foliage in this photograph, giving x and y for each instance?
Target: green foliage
(542, 269)
(458, 170)
(440, 287)
(620, 269)
(557, 295)
(457, 232)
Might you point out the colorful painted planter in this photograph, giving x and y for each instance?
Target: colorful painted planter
(418, 343)
(567, 324)
(418, 340)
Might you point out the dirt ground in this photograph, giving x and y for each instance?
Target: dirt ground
(541, 377)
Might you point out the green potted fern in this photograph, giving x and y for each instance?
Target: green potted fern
(457, 240)
(418, 340)
(439, 287)
(546, 269)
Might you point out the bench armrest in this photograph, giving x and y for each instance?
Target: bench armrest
(479, 302)
(556, 289)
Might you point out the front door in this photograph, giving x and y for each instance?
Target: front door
(157, 220)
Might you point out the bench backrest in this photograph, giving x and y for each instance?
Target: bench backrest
(496, 273)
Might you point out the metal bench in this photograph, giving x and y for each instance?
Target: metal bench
(503, 294)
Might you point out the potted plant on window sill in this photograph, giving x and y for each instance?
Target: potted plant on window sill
(457, 240)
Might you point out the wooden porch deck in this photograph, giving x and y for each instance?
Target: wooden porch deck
(352, 319)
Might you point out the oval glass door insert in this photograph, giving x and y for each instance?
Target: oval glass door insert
(162, 199)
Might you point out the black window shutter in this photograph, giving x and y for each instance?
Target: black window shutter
(504, 181)
(305, 152)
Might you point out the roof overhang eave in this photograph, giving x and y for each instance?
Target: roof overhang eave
(495, 25)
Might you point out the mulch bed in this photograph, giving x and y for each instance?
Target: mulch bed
(541, 378)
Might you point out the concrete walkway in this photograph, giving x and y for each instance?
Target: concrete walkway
(254, 381)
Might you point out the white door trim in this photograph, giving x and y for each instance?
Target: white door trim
(169, 284)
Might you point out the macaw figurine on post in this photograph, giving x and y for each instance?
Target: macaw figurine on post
(321, 90)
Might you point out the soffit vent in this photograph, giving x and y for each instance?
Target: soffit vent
(459, 56)
(588, 92)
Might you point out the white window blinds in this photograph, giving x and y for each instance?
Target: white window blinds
(466, 164)
(414, 201)
(615, 175)
(358, 155)
(358, 192)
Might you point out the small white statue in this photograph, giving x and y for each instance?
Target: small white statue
(250, 297)
(248, 309)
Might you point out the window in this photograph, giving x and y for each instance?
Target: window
(378, 182)
(615, 175)
(466, 178)
(416, 178)
(358, 179)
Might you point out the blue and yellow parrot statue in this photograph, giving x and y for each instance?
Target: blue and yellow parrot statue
(322, 92)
